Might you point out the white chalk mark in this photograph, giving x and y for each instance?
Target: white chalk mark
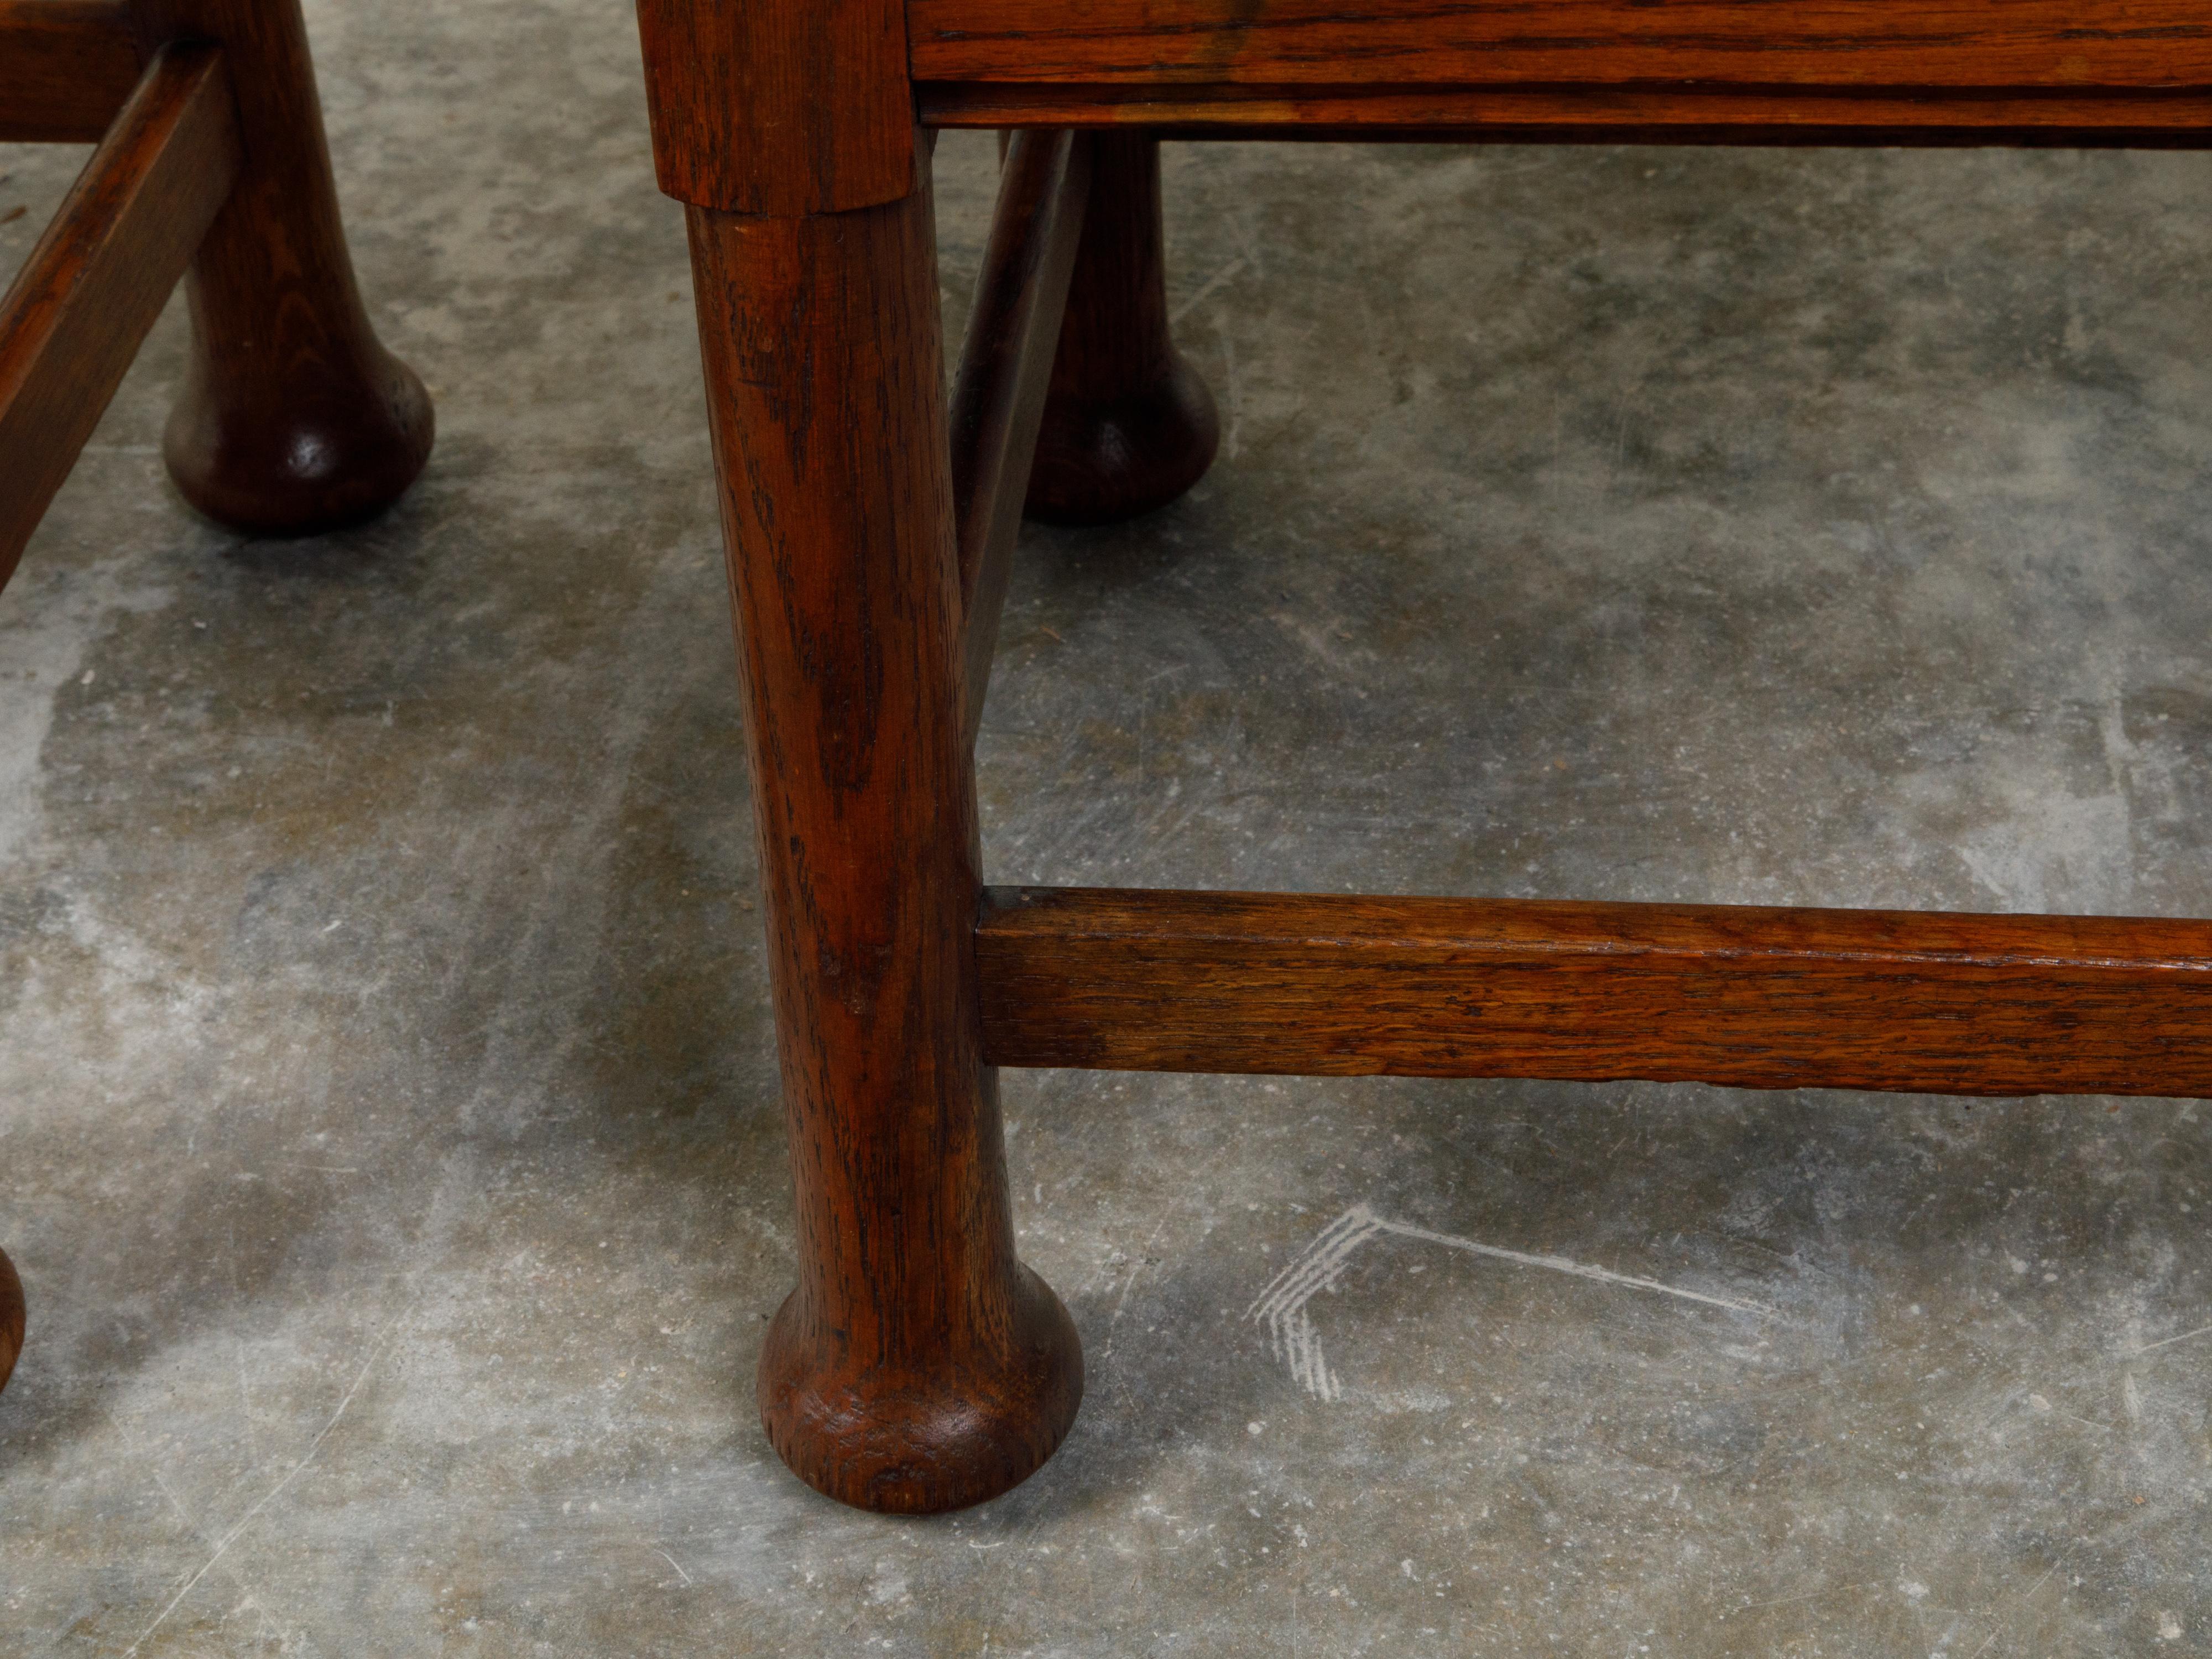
(2168, 1342)
(1580, 1270)
(1282, 1304)
(2131, 1397)
(375, 1352)
(674, 1562)
(1199, 298)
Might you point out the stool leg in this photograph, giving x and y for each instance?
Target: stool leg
(919, 1366)
(11, 1318)
(1128, 424)
(294, 417)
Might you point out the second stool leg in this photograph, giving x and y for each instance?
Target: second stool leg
(1128, 424)
(919, 1365)
(294, 417)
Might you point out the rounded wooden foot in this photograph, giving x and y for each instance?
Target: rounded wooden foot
(294, 418)
(1128, 425)
(1099, 463)
(274, 460)
(11, 1318)
(916, 1440)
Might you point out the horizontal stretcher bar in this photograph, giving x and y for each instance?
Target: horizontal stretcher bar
(66, 67)
(2102, 118)
(1125, 980)
(82, 303)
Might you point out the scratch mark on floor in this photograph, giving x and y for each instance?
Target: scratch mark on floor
(1199, 298)
(375, 1352)
(674, 1562)
(1282, 1304)
(2147, 1347)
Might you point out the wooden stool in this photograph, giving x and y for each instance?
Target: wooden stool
(870, 520)
(211, 160)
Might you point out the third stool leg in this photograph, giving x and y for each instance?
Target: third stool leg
(919, 1365)
(1128, 424)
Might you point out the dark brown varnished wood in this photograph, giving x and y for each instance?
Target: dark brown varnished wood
(1005, 366)
(2147, 44)
(294, 418)
(66, 67)
(1769, 999)
(11, 1318)
(75, 316)
(783, 107)
(1128, 424)
(1590, 114)
(919, 1365)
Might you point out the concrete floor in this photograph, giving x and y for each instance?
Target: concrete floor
(388, 1136)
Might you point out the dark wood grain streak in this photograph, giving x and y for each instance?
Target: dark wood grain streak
(783, 106)
(294, 418)
(66, 67)
(1604, 115)
(11, 1318)
(83, 301)
(1128, 423)
(1814, 43)
(919, 1365)
(1769, 999)
(1005, 366)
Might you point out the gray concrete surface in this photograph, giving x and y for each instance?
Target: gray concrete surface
(388, 1132)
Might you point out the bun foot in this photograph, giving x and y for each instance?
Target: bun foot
(941, 1433)
(1100, 463)
(1128, 425)
(11, 1318)
(273, 461)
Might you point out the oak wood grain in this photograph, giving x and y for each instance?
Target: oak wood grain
(779, 107)
(1588, 114)
(11, 1318)
(919, 1365)
(66, 67)
(1329, 986)
(1005, 366)
(294, 418)
(1811, 43)
(100, 276)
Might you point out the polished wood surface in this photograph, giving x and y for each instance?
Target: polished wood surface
(2164, 44)
(11, 1318)
(783, 107)
(1005, 366)
(1588, 114)
(66, 67)
(919, 1365)
(1326, 986)
(294, 418)
(82, 302)
(1128, 425)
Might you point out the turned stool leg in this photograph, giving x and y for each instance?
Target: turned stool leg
(11, 1318)
(294, 418)
(1128, 424)
(919, 1365)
